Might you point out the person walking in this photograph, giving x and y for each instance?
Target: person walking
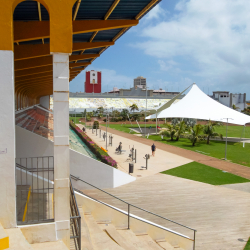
(153, 148)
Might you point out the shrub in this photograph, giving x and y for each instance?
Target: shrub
(96, 125)
(88, 118)
(98, 152)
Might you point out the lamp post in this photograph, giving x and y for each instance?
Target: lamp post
(146, 107)
(226, 138)
(106, 131)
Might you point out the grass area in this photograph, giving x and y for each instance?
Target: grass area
(234, 131)
(199, 172)
(123, 128)
(247, 246)
(76, 119)
(235, 151)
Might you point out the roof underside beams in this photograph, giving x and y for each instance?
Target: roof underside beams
(97, 24)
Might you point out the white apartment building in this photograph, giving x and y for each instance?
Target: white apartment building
(230, 99)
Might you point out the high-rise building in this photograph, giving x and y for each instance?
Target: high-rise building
(93, 83)
(140, 81)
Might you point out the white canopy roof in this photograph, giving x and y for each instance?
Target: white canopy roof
(198, 105)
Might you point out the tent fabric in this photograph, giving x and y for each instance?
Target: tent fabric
(197, 105)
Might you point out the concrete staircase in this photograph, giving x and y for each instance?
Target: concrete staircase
(103, 235)
(13, 239)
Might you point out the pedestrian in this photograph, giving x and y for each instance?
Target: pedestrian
(153, 148)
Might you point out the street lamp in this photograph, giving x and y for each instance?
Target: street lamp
(146, 107)
(107, 131)
(226, 138)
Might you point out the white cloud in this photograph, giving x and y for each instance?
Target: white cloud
(212, 37)
(155, 13)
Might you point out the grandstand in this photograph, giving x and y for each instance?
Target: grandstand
(80, 104)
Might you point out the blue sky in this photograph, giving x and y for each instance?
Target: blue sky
(180, 42)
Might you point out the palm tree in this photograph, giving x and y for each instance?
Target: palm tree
(195, 134)
(133, 107)
(235, 107)
(124, 114)
(168, 131)
(180, 129)
(209, 130)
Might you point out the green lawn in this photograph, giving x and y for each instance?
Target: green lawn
(123, 128)
(199, 172)
(247, 246)
(234, 131)
(235, 151)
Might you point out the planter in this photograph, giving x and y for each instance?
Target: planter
(95, 149)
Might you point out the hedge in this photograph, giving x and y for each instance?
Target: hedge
(95, 149)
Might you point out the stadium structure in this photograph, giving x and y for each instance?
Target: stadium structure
(45, 44)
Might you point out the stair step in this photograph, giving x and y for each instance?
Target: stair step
(100, 239)
(177, 248)
(151, 243)
(17, 240)
(4, 238)
(123, 242)
(85, 235)
(165, 245)
(57, 245)
(139, 244)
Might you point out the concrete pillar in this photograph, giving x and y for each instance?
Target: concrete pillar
(61, 145)
(7, 140)
(44, 101)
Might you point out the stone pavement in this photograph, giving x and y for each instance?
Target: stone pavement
(162, 161)
(230, 167)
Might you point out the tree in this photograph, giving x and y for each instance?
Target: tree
(100, 110)
(133, 107)
(84, 112)
(209, 130)
(180, 129)
(169, 131)
(189, 122)
(234, 107)
(246, 111)
(124, 114)
(195, 134)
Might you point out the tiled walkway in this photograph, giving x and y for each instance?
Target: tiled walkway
(162, 161)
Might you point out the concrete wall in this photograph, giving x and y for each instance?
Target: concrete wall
(94, 172)
(44, 101)
(7, 140)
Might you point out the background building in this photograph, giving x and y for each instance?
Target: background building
(93, 83)
(140, 81)
(230, 99)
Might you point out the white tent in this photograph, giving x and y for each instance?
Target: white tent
(198, 105)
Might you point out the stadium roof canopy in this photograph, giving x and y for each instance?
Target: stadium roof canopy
(197, 105)
(94, 25)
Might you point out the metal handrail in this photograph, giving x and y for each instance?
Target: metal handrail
(39, 176)
(75, 219)
(144, 210)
